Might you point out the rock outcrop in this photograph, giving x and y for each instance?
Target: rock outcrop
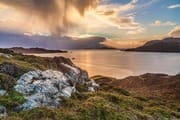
(6, 81)
(41, 81)
(11, 69)
(45, 88)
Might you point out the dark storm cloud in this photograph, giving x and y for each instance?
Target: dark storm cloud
(59, 42)
(54, 13)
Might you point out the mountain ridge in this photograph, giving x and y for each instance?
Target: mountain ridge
(165, 45)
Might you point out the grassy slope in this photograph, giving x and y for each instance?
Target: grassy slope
(106, 104)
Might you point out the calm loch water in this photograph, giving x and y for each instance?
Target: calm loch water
(120, 64)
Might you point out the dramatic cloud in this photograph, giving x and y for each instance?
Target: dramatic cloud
(124, 44)
(174, 6)
(67, 17)
(57, 15)
(135, 32)
(112, 15)
(116, 20)
(175, 32)
(159, 23)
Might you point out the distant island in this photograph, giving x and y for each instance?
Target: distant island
(164, 45)
(34, 50)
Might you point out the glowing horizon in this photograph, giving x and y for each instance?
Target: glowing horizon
(124, 23)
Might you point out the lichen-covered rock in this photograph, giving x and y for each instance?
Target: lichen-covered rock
(12, 69)
(45, 88)
(6, 81)
(6, 51)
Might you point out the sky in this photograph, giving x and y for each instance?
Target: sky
(123, 23)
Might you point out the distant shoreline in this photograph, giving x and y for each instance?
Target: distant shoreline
(165, 45)
(34, 50)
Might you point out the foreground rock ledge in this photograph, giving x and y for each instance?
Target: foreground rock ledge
(45, 88)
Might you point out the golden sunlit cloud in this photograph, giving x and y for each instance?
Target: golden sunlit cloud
(135, 32)
(127, 43)
(111, 14)
(175, 32)
(159, 23)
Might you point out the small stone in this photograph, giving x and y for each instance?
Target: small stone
(3, 92)
(91, 89)
(3, 111)
(67, 92)
(94, 84)
(73, 69)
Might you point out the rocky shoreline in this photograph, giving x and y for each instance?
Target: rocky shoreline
(33, 88)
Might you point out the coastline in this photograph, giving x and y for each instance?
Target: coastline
(110, 98)
(121, 64)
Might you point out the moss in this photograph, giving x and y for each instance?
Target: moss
(12, 99)
(98, 105)
(178, 109)
(45, 114)
(141, 98)
(14, 118)
(6, 51)
(121, 91)
(20, 64)
(81, 88)
(2, 59)
(6, 81)
(159, 113)
(32, 61)
(101, 105)
(67, 102)
(99, 77)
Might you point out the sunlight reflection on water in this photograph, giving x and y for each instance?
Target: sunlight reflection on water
(120, 64)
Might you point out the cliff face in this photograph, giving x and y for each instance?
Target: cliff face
(165, 45)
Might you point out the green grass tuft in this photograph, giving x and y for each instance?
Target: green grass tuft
(12, 99)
